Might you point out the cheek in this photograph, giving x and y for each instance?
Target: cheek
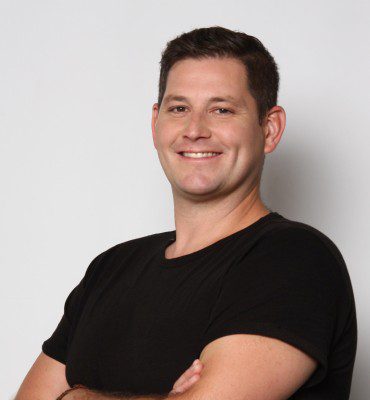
(165, 128)
(245, 144)
(238, 135)
(163, 133)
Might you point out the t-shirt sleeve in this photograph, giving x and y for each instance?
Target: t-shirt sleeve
(57, 344)
(285, 288)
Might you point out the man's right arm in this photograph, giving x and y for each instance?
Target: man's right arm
(46, 380)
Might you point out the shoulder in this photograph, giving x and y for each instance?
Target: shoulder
(288, 252)
(115, 255)
(295, 254)
(147, 243)
(290, 239)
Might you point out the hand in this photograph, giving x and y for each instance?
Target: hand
(188, 378)
(183, 383)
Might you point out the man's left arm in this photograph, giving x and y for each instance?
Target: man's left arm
(237, 367)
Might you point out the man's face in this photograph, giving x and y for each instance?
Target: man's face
(207, 108)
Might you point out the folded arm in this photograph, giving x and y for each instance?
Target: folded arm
(238, 367)
(46, 380)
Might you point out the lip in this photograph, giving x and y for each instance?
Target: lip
(200, 159)
(198, 151)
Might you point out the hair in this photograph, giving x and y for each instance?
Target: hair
(218, 42)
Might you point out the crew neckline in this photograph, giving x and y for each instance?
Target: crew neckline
(170, 237)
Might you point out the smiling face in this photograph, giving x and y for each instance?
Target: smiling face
(207, 107)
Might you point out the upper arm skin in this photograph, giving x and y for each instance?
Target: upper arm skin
(45, 380)
(249, 367)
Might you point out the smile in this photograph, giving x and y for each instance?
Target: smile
(199, 156)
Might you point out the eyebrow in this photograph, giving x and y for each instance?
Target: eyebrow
(216, 99)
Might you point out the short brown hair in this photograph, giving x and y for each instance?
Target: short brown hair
(216, 41)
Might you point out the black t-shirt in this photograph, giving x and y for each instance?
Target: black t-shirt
(136, 321)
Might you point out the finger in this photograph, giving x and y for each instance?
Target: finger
(195, 368)
(183, 380)
(187, 384)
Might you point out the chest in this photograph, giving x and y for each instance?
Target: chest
(140, 331)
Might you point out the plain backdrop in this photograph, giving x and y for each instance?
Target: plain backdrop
(79, 171)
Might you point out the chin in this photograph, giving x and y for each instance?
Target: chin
(197, 191)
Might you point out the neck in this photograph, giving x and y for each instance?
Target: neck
(203, 223)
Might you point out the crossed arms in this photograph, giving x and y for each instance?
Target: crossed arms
(236, 367)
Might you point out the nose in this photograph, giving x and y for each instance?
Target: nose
(196, 126)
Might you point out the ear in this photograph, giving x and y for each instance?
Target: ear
(274, 125)
(155, 112)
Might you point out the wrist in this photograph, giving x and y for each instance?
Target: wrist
(74, 387)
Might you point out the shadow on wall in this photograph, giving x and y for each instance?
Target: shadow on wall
(303, 182)
(301, 179)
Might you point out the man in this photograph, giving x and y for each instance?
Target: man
(264, 302)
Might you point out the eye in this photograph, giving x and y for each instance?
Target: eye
(175, 108)
(225, 109)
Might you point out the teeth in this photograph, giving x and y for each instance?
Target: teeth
(199, 155)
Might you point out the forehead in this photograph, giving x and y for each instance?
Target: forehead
(221, 77)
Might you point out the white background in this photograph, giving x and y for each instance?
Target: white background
(79, 172)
